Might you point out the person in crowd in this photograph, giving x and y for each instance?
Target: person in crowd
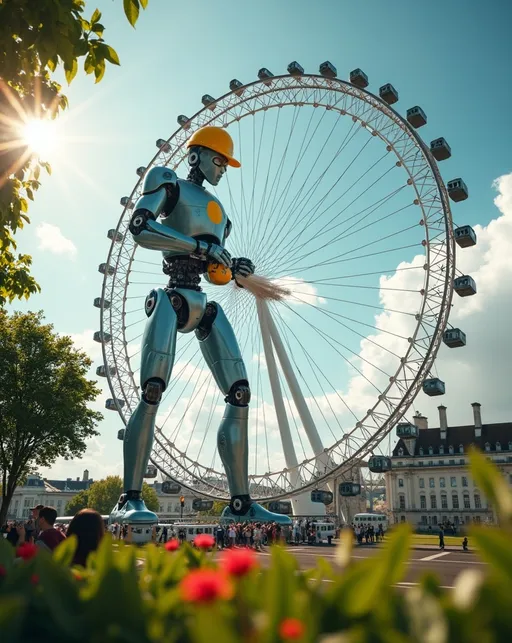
(89, 529)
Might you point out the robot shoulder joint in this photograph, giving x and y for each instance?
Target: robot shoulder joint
(158, 177)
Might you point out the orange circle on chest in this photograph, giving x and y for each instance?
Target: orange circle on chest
(214, 212)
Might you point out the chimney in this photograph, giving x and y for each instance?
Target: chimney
(78, 479)
(420, 421)
(86, 475)
(443, 421)
(478, 419)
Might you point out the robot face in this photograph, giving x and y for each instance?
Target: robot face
(212, 164)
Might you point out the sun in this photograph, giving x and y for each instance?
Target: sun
(41, 136)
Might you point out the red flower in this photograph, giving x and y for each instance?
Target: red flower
(205, 586)
(3, 571)
(204, 541)
(172, 545)
(238, 562)
(26, 551)
(291, 629)
(34, 579)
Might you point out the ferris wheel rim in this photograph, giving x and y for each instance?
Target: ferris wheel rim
(300, 83)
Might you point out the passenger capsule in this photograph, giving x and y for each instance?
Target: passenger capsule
(454, 338)
(99, 302)
(114, 404)
(294, 69)
(457, 190)
(465, 236)
(406, 430)
(359, 78)
(379, 464)
(162, 144)
(320, 495)
(208, 101)
(440, 149)
(114, 235)
(328, 70)
(236, 86)
(100, 336)
(416, 117)
(464, 286)
(151, 471)
(120, 434)
(349, 489)
(168, 486)
(266, 76)
(140, 171)
(101, 371)
(434, 387)
(389, 94)
(109, 270)
(184, 121)
(126, 203)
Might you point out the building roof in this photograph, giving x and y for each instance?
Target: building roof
(70, 485)
(457, 435)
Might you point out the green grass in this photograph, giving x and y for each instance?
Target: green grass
(426, 539)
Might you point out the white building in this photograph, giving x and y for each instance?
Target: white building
(430, 482)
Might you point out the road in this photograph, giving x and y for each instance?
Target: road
(447, 564)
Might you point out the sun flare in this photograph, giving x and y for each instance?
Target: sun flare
(41, 136)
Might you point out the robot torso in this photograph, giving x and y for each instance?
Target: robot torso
(197, 214)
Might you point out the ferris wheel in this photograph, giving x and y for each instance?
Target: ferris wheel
(341, 203)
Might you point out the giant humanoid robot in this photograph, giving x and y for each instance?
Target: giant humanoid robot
(189, 226)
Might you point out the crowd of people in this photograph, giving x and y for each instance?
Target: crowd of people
(42, 531)
(368, 533)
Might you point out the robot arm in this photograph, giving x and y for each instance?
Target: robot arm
(160, 185)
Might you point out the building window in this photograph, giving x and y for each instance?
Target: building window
(461, 448)
(441, 462)
(498, 446)
(487, 446)
(510, 446)
(464, 481)
(453, 481)
(423, 502)
(402, 518)
(422, 483)
(430, 463)
(434, 520)
(452, 462)
(441, 450)
(400, 482)
(400, 464)
(462, 461)
(450, 449)
(420, 463)
(430, 451)
(433, 502)
(401, 500)
(478, 502)
(421, 450)
(442, 482)
(476, 518)
(423, 520)
(444, 502)
(400, 451)
(455, 502)
(467, 504)
(431, 483)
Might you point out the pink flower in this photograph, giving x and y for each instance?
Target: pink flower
(26, 551)
(291, 629)
(204, 541)
(238, 562)
(205, 586)
(172, 545)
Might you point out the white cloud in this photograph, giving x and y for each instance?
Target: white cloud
(85, 342)
(301, 291)
(51, 238)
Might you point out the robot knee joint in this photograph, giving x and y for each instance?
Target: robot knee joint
(152, 391)
(206, 323)
(239, 394)
(180, 306)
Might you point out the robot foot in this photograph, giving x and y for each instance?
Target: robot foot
(254, 513)
(132, 509)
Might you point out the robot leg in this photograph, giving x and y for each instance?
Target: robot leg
(158, 350)
(222, 354)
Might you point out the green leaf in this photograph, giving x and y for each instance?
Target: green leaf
(98, 29)
(71, 72)
(12, 611)
(131, 10)
(494, 547)
(63, 554)
(144, 3)
(95, 17)
(111, 55)
(494, 487)
(89, 63)
(30, 194)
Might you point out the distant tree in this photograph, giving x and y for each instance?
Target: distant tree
(77, 503)
(37, 39)
(103, 495)
(44, 399)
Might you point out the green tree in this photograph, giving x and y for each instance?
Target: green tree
(78, 502)
(44, 398)
(103, 494)
(38, 38)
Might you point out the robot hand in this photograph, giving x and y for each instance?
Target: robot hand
(242, 267)
(218, 254)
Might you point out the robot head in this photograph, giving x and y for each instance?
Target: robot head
(211, 151)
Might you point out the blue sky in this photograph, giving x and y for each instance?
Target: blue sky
(451, 58)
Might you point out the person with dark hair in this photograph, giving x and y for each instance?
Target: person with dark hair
(89, 529)
(48, 537)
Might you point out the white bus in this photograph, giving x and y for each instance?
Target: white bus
(373, 519)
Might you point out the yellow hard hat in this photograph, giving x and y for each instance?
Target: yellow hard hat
(216, 139)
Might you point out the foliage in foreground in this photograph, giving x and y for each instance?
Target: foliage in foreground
(182, 594)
